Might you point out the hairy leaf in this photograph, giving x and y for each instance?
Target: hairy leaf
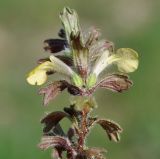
(74, 90)
(112, 129)
(51, 91)
(70, 133)
(54, 141)
(52, 119)
(115, 82)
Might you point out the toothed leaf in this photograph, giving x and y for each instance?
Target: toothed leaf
(116, 82)
(52, 119)
(112, 129)
(51, 91)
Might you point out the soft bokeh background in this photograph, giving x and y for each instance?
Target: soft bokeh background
(23, 27)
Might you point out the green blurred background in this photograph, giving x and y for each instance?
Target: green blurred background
(23, 27)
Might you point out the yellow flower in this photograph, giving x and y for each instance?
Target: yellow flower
(38, 76)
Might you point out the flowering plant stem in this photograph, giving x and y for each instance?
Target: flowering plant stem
(79, 58)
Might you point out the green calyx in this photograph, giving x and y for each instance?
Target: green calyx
(77, 80)
(91, 80)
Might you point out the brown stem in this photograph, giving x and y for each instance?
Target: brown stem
(83, 130)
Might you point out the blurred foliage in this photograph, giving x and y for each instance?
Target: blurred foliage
(23, 27)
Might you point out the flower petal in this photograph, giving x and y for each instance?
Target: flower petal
(115, 82)
(101, 63)
(38, 76)
(126, 60)
(61, 67)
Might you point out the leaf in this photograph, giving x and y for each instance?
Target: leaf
(51, 91)
(70, 133)
(73, 90)
(59, 143)
(115, 82)
(73, 112)
(52, 119)
(55, 45)
(54, 131)
(57, 153)
(38, 76)
(126, 60)
(112, 129)
(54, 141)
